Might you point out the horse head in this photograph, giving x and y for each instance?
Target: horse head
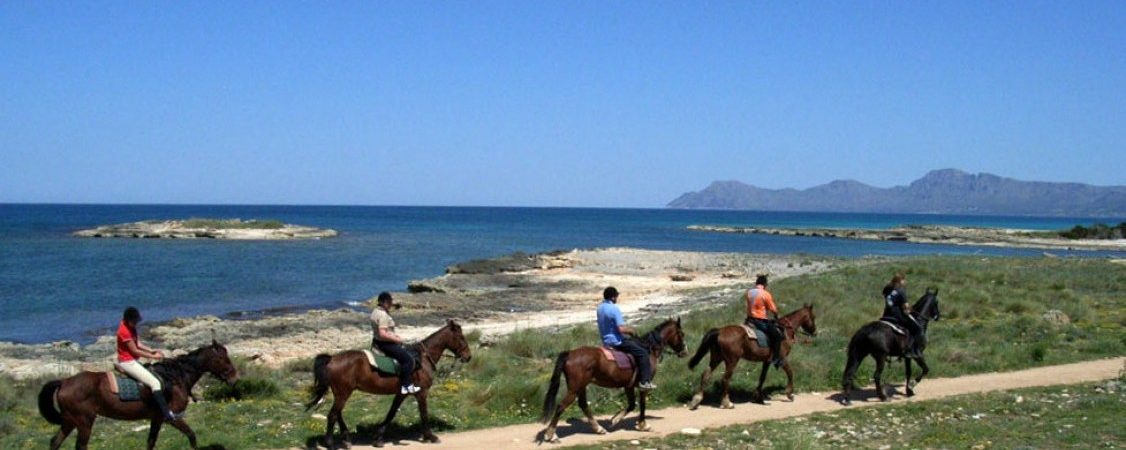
(214, 359)
(457, 343)
(802, 319)
(668, 333)
(927, 306)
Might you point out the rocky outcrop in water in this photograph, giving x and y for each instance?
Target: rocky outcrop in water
(207, 229)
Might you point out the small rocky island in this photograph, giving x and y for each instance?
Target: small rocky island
(207, 229)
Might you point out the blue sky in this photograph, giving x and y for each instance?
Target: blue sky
(576, 103)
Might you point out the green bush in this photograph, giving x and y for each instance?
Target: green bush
(244, 388)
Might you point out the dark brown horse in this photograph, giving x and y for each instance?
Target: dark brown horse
(83, 397)
(585, 365)
(881, 341)
(731, 344)
(348, 371)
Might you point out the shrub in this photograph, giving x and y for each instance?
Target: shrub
(244, 388)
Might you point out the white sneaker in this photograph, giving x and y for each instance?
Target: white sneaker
(409, 389)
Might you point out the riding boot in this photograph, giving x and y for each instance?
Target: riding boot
(776, 352)
(158, 396)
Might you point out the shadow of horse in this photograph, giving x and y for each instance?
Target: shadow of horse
(736, 395)
(576, 425)
(867, 394)
(365, 433)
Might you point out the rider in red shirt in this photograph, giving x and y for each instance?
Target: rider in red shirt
(129, 349)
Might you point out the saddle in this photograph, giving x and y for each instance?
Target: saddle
(894, 327)
(387, 365)
(624, 360)
(127, 388)
(756, 334)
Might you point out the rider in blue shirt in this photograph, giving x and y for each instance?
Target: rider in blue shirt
(612, 327)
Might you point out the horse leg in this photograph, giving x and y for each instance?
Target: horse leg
(154, 431)
(631, 400)
(641, 425)
(424, 414)
(84, 426)
(395, 404)
(699, 396)
(589, 416)
(184, 428)
(64, 431)
(907, 381)
(789, 379)
(549, 433)
(880, 361)
(346, 438)
(728, 372)
(338, 401)
(760, 397)
(925, 370)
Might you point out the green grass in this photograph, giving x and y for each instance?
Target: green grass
(226, 224)
(1083, 416)
(991, 309)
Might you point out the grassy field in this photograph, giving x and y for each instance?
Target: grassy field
(992, 310)
(1086, 416)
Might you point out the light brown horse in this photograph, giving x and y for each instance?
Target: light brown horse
(731, 344)
(585, 365)
(348, 371)
(83, 397)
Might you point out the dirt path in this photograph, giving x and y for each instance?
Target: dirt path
(672, 420)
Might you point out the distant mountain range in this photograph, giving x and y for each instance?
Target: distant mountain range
(946, 191)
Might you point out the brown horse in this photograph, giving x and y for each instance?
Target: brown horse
(731, 343)
(348, 371)
(83, 397)
(584, 365)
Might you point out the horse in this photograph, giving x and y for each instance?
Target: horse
(348, 371)
(85, 396)
(731, 344)
(881, 341)
(585, 365)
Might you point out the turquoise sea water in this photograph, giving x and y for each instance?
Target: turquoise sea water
(54, 286)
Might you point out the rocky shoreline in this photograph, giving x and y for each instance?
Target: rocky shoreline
(492, 297)
(234, 229)
(936, 234)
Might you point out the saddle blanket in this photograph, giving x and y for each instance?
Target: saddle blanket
(624, 360)
(382, 363)
(756, 334)
(894, 327)
(127, 389)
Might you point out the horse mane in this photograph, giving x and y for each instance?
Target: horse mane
(435, 333)
(925, 301)
(178, 368)
(653, 338)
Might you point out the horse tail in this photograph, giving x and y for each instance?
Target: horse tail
(855, 356)
(553, 388)
(707, 343)
(47, 402)
(320, 380)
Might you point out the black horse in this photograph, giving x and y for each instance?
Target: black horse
(881, 341)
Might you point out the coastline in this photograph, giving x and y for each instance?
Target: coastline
(935, 234)
(494, 297)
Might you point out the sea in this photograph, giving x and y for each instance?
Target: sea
(54, 286)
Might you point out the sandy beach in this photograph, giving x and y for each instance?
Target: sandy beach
(493, 297)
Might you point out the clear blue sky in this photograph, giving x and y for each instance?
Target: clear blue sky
(576, 103)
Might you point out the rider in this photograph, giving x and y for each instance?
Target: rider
(129, 349)
(759, 300)
(611, 326)
(895, 309)
(385, 339)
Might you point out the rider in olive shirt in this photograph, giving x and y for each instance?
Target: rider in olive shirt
(385, 339)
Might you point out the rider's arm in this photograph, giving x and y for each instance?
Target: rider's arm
(389, 336)
(137, 351)
(769, 298)
(621, 322)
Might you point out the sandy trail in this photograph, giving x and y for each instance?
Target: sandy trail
(672, 420)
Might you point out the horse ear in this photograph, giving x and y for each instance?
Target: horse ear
(215, 343)
(678, 321)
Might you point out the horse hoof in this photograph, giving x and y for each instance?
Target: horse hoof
(599, 430)
(846, 402)
(377, 444)
(642, 426)
(727, 405)
(910, 393)
(431, 439)
(790, 397)
(614, 421)
(345, 444)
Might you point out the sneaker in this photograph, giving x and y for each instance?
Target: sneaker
(647, 386)
(409, 389)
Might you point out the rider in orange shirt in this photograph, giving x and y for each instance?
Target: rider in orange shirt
(759, 301)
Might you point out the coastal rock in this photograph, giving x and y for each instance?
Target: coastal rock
(234, 229)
